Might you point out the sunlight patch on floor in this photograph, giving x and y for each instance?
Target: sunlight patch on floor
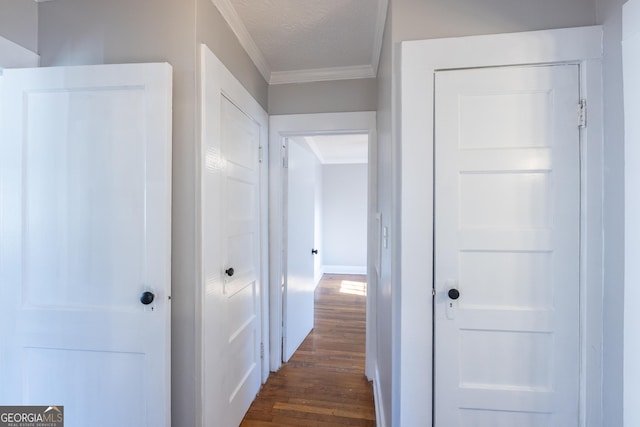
(353, 288)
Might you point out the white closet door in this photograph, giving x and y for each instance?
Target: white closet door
(507, 213)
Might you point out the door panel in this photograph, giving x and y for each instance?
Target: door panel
(231, 242)
(507, 238)
(87, 205)
(85, 230)
(300, 230)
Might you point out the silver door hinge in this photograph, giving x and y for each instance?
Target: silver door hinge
(582, 114)
(260, 154)
(433, 292)
(261, 350)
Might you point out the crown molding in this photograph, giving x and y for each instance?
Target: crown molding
(230, 15)
(233, 19)
(322, 74)
(379, 35)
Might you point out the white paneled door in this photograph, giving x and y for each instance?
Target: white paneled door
(85, 240)
(299, 283)
(233, 130)
(507, 212)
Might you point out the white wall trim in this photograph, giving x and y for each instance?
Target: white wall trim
(345, 269)
(281, 127)
(631, 70)
(322, 74)
(12, 55)
(591, 247)
(420, 60)
(380, 417)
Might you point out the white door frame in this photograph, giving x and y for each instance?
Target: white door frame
(305, 125)
(420, 60)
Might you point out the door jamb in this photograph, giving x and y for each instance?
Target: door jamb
(420, 59)
(282, 126)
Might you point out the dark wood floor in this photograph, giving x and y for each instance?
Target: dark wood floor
(323, 384)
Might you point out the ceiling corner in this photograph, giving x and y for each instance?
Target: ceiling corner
(246, 41)
(311, 143)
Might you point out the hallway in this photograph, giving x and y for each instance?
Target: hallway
(323, 384)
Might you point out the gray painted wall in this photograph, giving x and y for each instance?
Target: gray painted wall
(95, 32)
(609, 14)
(427, 19)
(323, 97)
(344, 215)
(19, 22)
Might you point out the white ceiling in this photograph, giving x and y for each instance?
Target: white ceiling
(293, 41)
(337, 149)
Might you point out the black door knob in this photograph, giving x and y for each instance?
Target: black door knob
(147, 297)
(314, 252)
(453, 293)
(229, 272)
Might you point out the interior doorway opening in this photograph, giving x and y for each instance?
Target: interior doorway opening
(324, 223)
(281, 129)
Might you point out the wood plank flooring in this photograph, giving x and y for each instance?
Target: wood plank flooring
(323, 384)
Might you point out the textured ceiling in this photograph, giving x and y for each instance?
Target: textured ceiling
(309, 40)
(338, 149)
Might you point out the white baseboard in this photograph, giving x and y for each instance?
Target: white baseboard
(380, 418)
(344, 269)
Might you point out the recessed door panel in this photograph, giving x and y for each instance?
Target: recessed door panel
(73, 200)
(505, 119)
(486, 286)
